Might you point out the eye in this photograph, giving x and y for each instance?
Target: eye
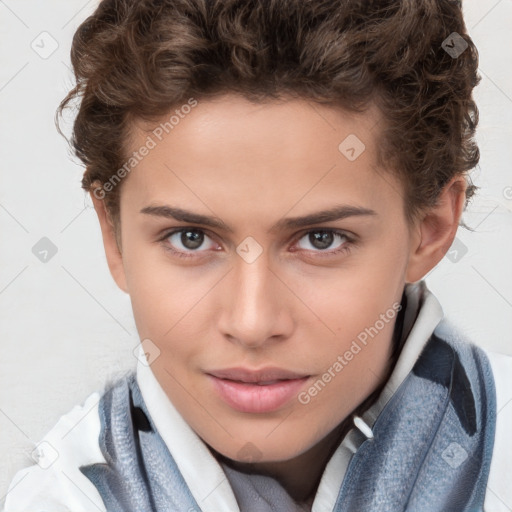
(319, 240)
(192, 242)
(187, 240)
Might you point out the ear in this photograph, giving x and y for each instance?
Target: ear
(112, 251)
(435, 231)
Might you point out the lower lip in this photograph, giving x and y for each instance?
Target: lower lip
(253, 398)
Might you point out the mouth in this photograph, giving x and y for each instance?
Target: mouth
(256, 391)
(268, 375)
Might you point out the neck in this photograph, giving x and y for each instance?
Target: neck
(301, 475)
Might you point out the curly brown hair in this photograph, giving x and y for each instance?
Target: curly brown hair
(139, 59)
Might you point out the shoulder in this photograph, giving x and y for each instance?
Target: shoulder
(498, 497)
(55, 480)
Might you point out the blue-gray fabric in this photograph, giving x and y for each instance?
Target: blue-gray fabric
(431, 449)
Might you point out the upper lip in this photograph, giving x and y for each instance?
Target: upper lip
(261, 375)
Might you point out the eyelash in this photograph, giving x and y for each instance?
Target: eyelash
(343, 249)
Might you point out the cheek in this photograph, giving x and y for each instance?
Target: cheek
(170, 306)
(157, 295)
(352, 298)
(355, 313)
(155, 285)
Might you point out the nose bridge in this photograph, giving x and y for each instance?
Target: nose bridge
(253, 311)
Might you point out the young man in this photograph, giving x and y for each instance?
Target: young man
(273, 180)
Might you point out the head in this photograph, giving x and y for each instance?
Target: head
(268, 176)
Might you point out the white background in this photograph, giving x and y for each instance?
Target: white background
(66, 328)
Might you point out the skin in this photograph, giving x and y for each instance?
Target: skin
(297, 306)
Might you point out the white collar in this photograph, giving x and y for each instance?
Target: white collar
(203, 474)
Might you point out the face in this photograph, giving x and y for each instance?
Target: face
(251, 239)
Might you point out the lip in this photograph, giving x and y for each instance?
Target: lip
(266, 374)
(256, 391)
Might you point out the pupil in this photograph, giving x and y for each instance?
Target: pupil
(321, 239)
(192, 239)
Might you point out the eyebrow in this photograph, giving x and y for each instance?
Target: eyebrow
(332, 214)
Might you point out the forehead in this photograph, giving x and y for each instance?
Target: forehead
(230, 150)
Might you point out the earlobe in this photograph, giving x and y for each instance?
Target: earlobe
(436, 230)
(112, 251)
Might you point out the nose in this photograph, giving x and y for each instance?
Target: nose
(256, 307)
